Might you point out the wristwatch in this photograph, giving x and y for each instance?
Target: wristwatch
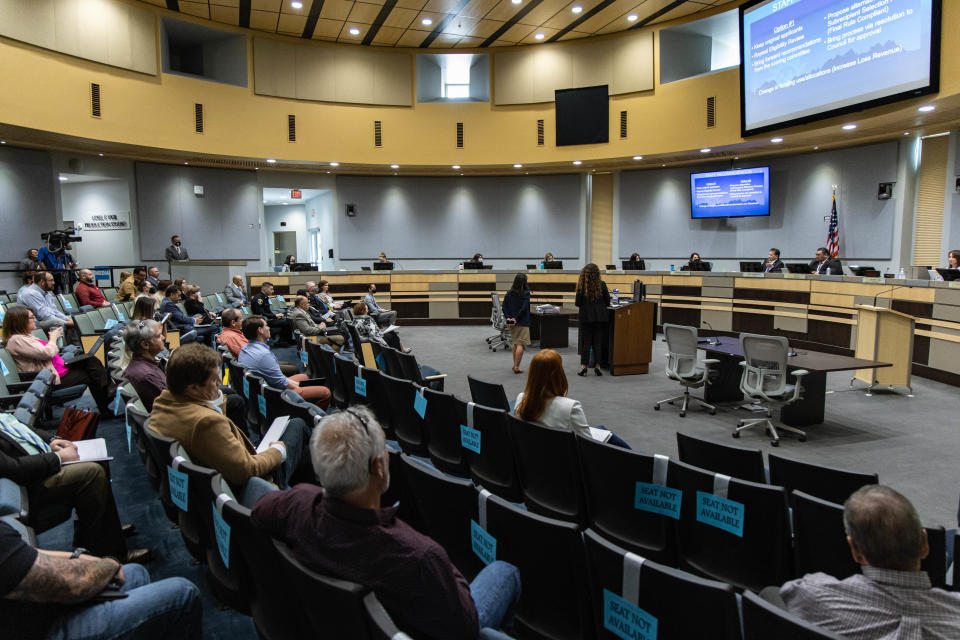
(79, 551)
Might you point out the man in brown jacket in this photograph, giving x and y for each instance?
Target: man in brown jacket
(190, 410)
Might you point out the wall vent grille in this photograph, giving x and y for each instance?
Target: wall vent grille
(95, 99)
(539, 133)
(459, 135)
(623, 124)
(198, 117)
(291, 128)
(377, 133)
(711, 112)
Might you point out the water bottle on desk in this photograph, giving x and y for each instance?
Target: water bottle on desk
(902, 275)
(616, 297)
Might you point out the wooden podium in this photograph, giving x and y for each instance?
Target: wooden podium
(886, 335)
(631, 342)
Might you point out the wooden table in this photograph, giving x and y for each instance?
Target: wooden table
(551, 330)
(809, 408)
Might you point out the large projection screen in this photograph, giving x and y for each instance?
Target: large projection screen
(809, 59)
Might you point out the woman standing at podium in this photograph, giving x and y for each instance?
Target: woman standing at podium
(592, 302)
(516, 309)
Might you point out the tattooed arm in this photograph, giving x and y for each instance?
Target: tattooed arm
(54, 577)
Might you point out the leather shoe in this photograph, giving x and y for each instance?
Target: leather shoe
(139, 556)
(128, 530)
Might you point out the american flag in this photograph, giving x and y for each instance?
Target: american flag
(833, 232)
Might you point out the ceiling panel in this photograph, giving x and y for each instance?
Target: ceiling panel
(459, 23)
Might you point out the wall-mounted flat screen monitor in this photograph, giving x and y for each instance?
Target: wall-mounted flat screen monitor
(802, 60)
(583, 115)
(728, 194)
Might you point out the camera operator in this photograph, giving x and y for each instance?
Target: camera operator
(56, 258)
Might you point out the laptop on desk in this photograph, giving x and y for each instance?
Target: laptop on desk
(949, 275)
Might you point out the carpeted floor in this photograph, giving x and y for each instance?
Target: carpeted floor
(911, 442)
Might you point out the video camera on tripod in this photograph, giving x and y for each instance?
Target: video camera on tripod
(58, 239)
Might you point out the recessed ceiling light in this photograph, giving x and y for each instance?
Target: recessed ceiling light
(576, 8)
(285, 203)
(517, 166)
(516, 1)
(271, 161)
(334, 164)
(354, 31)
(186, 163)
(456, 166)
(663, 165)
(64, 178)
(736, 157)
(577, 162)
(849, 127)
(705, 150)
(638, 157)
(3, 142)
(427, 21)
(100, 154)
(394, 166)
(296, 5)
(776, 140)
(539, 36)
(926, 108)
(632, 17)
(816, 148)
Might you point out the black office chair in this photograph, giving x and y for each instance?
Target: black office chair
(743, 539)
(547, 465)
(444, 416)
(828, 483)
(446, 506)
(494, 468)
(332, 608)
(489, 394)
(820, 537)
(684, 605)
(407, 424)
(763, 621)
(628, 514)
(736, 462)
(276, 615)
(549, 554)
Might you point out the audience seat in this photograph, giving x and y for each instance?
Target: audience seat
(446, 506)
(489, 394)
(547, 465)
(820, 537)
(736, 462)
(381, 625)
(684, 605)
(195, 520)
(610, 478)
(442, 420)
(158, 448)
(763, 620)
(760, 557)
(827, 483)
(256, 414)
(332, 608)
(392, 359)
(346, 368)
(494, 468)
(412, 371)
(554, 601)
(407, 423)
(376, 399)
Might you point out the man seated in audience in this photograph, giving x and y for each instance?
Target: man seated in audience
(302, 321)
(318, 304)
(190, 410)
(153, 277)
(260, 305)
(128, 288)
(87, 291)
(31, 262)
(384, 317)
(51, 594)
(825, 265)
(341, 530)
(183, 322)
(235, 293)
(257, 357)
(38, 297)
(232, 336)
(892, 598)
(35, 459)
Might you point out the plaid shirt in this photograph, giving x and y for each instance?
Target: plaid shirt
(880, 604)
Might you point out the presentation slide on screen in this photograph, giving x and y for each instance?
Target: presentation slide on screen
(803, 57)
(741, 192)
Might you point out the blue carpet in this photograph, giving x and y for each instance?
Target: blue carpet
(138, 504)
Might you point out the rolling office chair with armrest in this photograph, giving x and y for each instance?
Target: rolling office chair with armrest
(499, 322)
(683, 366)
(764, 379)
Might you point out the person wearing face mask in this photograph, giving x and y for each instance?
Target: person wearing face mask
(384, 317)
(190, 410)
(88, 293)
(176, 251)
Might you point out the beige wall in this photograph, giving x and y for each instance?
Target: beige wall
(601, 220)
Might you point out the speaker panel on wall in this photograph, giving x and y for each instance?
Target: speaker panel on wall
(351, 210)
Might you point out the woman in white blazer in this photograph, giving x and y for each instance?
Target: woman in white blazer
(545, 400)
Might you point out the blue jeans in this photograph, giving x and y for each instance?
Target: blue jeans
(297, 467)
(495, 590)
(165, 610)
(614, 438)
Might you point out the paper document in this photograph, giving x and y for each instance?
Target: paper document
(600, 434)
(392, 327)
(274, 433)
(91, 451)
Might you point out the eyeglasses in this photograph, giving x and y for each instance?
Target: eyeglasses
(359, 417)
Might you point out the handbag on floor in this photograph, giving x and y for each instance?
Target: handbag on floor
(77, 424)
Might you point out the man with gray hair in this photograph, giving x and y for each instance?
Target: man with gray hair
(892, 599)
(341, 530)
(144, 341)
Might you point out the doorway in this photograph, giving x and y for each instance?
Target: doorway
(284, 244)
